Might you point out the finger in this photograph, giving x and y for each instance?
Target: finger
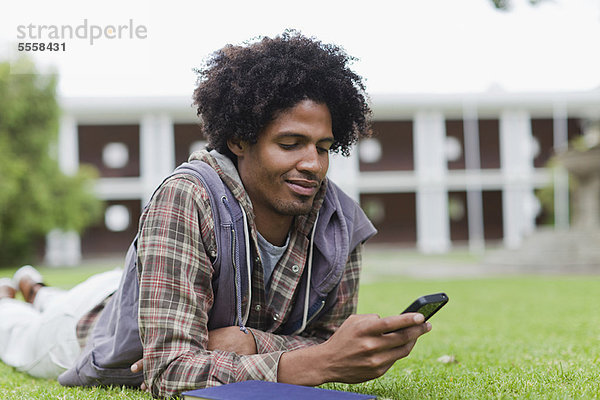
(387, 358)
(403, 351)
(397, 322)
(143, 387)
(137, 366)
(406, 335)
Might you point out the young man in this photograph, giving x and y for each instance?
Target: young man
(248, 259)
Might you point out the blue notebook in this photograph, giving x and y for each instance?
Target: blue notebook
(254, 390)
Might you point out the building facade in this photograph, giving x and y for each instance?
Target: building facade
(440, 170)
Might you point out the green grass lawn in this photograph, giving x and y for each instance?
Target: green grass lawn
(518, 337)
(515, 337)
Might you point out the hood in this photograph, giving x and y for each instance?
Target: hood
(228, 173)
(341, 227)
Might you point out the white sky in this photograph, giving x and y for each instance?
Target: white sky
(423, 46)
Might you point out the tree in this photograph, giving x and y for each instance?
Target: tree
(505, 5)
(35, 196)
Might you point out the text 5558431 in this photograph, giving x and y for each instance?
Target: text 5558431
(43, 46)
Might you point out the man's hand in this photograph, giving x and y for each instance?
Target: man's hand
(231, 339)
(363, 348)
(138, 366)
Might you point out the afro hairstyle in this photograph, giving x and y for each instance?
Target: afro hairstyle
(242, 88)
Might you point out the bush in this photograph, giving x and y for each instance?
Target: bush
(35, 196)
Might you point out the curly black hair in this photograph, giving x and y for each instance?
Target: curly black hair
(243, 88)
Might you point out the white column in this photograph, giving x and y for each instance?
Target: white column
(157, 151)
(561, 176)
(68, 145)
(433, 227)
(516, 154)
(344, 172)
(64, 248)
(474, 191)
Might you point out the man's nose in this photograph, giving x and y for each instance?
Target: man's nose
(311, 162)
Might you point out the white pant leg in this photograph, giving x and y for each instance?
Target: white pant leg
(44, 344)
(45, 296)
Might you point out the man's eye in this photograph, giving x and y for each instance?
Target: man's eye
(287, 146)
(323, 149)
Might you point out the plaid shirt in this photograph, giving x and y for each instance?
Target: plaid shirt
(176, 249)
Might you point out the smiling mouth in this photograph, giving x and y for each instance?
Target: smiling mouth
(303, 187)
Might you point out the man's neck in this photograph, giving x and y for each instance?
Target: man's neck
(275, 230)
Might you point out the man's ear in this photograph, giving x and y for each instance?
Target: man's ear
(237, 146)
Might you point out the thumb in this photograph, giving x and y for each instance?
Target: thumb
(137, 366)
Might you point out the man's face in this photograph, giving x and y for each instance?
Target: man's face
(283, 170)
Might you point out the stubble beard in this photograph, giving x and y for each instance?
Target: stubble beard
(300, 206)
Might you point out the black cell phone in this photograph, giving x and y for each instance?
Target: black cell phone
(428, 305)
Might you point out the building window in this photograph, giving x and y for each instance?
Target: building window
(457, 213)
(369, 150)
(456, 208)
(489, 143)
(114, 233)
(492, 214)
(455, 144)
(113, 149)
(453, 149)
(117, 218)
(115, 155)
(394, 215)
(188, 138)
(375, 210)
(393, 150)
(542, 130)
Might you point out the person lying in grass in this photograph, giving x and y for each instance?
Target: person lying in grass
(247, 259)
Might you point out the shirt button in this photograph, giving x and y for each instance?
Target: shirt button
(295, 269)
(257, 307)
(275, 317)
(213, 253)
(257, 259)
